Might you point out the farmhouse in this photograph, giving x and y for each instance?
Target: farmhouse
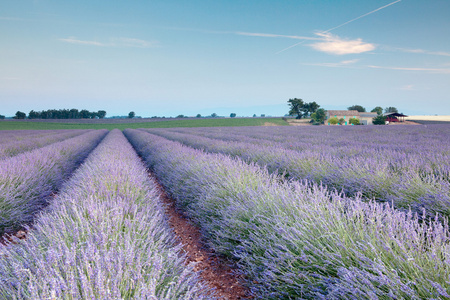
(342, 114)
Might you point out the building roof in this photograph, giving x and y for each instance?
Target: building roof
(368, 114)
(343, 113)
(394, 114)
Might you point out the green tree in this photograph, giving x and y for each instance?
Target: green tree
(214, 115)
(319, 115)
(85, 114)
(341, 121)
(2, 117)
(198, 116)
(181, 116)
(33, 115)
(333, 121)
(254, 115)
(131, 115)
(391, 109)
(296, 107)
(101, 114)
(309, 108)
(357, 107)
(232, 115)
(20, 115)
(354, 121)
(378, 110)
(379, 120)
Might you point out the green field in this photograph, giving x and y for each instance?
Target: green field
(27, 125)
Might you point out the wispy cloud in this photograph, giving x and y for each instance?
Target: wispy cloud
(296, 37)
(333, 44)
(430, 70)
(73, 40)
(341, 64)
(114, 42)
(421, 51)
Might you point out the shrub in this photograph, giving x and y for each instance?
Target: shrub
(333, 121)
(379, 120)
(354, 121)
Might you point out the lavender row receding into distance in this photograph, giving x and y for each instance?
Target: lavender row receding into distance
(297, 239)
(405, 165)
(104, 236)
(23, 141)
(28, 179)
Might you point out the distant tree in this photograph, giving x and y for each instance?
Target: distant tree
(2, 117)
(378, 110)
(33, 115)
(391, 109)
(379, 120)
(254, 115)
(232, 115)
(319, 115)
(85, 114)
(354, 121)
(357, 107)
(295, 107)
(74, 114)
(309, 108)
(333, 121)
(263, 115)
(181, 116)
(131, 115)
(341, 121)
(198, 116)
(214, 115)
(101, 114)
(20, 115)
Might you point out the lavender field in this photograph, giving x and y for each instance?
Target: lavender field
(338, 212)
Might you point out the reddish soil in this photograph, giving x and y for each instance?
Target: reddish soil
(21, 235)
(216, 272)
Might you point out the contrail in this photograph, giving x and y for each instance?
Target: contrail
(362, 16)
(369, 13)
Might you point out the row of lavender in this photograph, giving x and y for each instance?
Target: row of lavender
(300, 240)
(28, 180)
(103, 237)
(405, 165)
(19, 141)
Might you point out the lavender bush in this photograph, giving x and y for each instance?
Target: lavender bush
(22, 140)
(28, 180)
(407, 166)
(103, 237)
(298, 239)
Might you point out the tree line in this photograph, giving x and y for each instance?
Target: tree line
(61, 114)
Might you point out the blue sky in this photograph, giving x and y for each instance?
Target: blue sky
(168, 57)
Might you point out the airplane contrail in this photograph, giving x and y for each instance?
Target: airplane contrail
(362, 16)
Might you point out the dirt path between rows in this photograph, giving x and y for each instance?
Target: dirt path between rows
(215, 271)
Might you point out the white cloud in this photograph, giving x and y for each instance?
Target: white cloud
(333, 44)
(296, 37)
(115, 42)
(341, 64)
(431, 70)
(72, 40)
(422, 51)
